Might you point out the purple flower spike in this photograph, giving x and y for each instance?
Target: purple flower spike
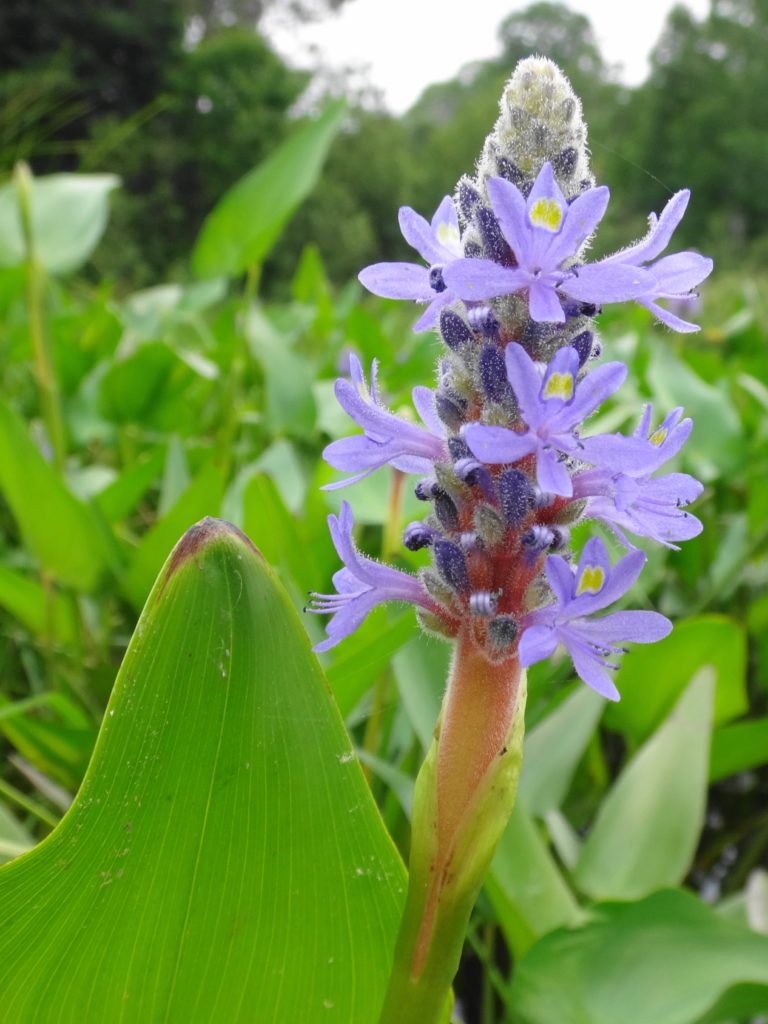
(439, 243)
(552, 406)
(545, 233)
(387, 438)
(590, 642)
(361, 585)
(623, 493)
(673, 277)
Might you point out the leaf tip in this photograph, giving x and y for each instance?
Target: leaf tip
(200, 536)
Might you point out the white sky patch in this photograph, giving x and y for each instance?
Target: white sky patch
(402, 46)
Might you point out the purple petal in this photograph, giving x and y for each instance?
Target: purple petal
(525, 379)
(680, 273)
(536, 644)
(424, 401)
(429, 317)
(543, 303)
(632, 627)
(659, 233)
(397, 281)
(620, 579)
(618, 453)
(592, 391)
(560, 578)
(607, 282)
(445, 230)
(590, 670)
(643, 428)
(674, 488)
(419, 235)
(552, 476)
(564, 365)
(510, 209)
(412, 464)
(357, 374)
(676, 323)
(582, 217)
(496, 445)
(482, 279)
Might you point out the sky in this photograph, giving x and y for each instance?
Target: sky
(401, 46)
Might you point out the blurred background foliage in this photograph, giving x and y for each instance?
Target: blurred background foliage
(163, 359)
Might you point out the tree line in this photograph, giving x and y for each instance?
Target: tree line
(181, 98)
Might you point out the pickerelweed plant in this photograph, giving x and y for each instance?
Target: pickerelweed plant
(506, 468)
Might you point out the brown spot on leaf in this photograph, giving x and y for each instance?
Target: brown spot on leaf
(197, 536)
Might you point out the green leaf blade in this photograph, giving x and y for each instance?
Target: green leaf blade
(224, 859)
(649, 824)
(244, 225)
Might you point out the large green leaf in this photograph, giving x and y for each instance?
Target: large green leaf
(65, 534)
(224, 860)
(664, 960)
(248, 219)
(737, 748)
(525, 885)
(654, 677)
(553, 749)
(69, 215)
(649, 824)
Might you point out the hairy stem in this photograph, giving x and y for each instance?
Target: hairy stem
(464, 797)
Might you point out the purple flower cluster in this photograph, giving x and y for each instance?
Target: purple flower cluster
(503, 459)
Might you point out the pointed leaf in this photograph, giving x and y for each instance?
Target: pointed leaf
(648, 826)
(224, 860)
(246, 222)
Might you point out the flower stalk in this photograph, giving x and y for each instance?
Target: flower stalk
(507, 466)
(464, 797)
(45, 376)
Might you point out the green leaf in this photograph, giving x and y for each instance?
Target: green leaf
(290, 405)
(653, 677)
(69, 215)
(14, 838)
(716, 443)
(737, 748)
(201, 498)
(50, 615)
(59, 747)
(526, 887)
(366, 655)
(121, 497)
(648, 826)
(224, 860)
(553, 749)
(666, 959)
(64, 534)
(248, 219)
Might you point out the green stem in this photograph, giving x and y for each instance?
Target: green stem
(392, 540)
(463, 799)
(45, 375)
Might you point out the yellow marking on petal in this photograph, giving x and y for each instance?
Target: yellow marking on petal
(591, 580)
(547, 214)
(658, 436)
(448, 234)
(559, 385)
